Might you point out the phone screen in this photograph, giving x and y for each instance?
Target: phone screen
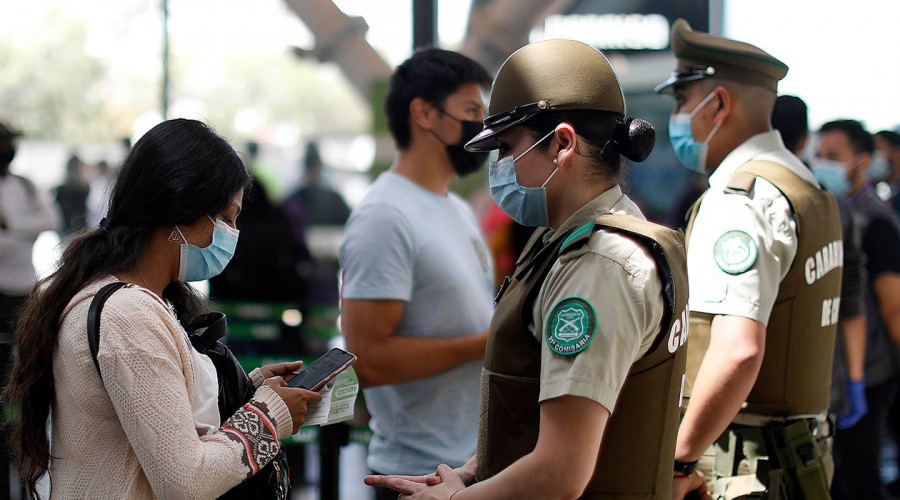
(322, 370)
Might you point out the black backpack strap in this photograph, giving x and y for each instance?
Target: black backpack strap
(93, 322)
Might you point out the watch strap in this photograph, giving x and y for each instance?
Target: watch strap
(685, 468)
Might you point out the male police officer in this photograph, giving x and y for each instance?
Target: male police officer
(765, 263)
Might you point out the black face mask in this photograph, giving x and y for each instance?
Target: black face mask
(464, 162)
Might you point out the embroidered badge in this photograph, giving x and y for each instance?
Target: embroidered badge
(735, 252)
(571, 326)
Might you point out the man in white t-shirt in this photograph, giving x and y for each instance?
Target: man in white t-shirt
(417, 276)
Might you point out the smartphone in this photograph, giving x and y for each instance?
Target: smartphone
(320, 371)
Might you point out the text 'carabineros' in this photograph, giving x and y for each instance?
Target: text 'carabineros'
(829, 257)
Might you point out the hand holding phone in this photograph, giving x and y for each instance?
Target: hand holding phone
(323, 369)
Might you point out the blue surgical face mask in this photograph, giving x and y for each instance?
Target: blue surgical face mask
(879, 169)
(526, 205)
(691, 153)
(831, 174)
(198, 264)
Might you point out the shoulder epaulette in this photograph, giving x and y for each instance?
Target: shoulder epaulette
(741, 183)
(578, 237)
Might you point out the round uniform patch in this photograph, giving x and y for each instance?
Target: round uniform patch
(735, 252)
(571, 326)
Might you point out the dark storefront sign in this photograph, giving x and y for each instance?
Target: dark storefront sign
(624, 25)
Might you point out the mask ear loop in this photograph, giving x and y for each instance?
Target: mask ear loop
(535, 144)
(555, 170)
(713, 132)
(702, 103)
(700, 106)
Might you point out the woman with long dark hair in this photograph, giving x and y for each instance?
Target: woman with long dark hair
(144, 422)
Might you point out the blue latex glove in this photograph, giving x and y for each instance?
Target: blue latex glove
(856, 399)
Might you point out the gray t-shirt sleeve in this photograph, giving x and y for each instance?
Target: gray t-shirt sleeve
(377, 254)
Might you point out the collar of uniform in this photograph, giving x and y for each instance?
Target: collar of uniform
(600, 205)
(762, 146)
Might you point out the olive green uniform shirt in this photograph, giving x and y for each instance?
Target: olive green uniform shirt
(618, 278)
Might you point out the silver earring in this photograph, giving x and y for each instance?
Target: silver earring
(554, 161)
(174, 235)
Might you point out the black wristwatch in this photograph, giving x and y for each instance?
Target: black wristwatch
(685, 468)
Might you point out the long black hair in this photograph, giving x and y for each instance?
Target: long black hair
(176, 173)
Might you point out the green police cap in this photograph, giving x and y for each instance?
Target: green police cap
(544, 76)
(701, 55)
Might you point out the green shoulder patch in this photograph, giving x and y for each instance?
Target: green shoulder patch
(735, 252)
(570, 326)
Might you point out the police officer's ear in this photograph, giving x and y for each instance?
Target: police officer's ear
(564, 144)
(723, 103)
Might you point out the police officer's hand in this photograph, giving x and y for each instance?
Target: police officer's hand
(690, 487)
(856, 398)
(439, 486)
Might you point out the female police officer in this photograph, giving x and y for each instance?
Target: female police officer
(584, 343)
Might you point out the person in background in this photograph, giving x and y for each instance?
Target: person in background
(843, 157)
(317, 214)
(100, 185)
(686, 199)
(417, 293)
(584, 365)
(848, 394)
(24, 214)
(140, 419)
(764, 302)
(262, 171)
(72, 196)
(886, 165)
(505, 238)
(264, 265)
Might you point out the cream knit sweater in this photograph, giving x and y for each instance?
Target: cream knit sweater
(131, 434)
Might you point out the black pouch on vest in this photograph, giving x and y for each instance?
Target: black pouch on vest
(235, 389)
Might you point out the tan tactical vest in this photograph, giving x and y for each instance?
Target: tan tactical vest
(639, 443)
(795, 376)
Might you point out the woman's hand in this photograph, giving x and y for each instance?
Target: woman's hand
(295, 399)
(284, 370)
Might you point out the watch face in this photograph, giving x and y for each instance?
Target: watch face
(685, 468)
